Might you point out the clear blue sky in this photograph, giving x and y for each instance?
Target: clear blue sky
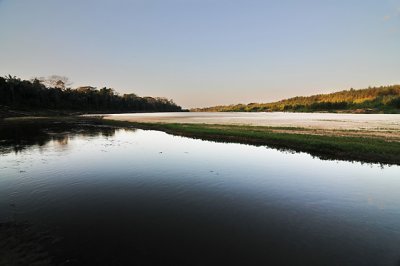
(205, 52)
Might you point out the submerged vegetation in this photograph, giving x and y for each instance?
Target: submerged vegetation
(371, 100)
(53, 94)
(336, 147)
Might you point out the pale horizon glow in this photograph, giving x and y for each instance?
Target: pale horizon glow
(205, 52)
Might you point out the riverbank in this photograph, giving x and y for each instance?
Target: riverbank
(334, 145)
(369, 146)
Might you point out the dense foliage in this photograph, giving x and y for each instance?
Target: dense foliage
(34, 95)
(378, 99)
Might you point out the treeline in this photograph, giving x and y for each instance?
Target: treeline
(37, 95)
(385, 99)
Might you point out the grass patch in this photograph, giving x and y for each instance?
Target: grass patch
(363, 149)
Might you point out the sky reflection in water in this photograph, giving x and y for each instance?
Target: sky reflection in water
(151, 197)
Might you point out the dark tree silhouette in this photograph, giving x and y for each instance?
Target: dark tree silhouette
(36, 95)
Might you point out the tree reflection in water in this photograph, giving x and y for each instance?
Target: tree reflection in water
(18, 136)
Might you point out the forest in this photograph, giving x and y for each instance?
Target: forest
(53, 93)
(385, 99)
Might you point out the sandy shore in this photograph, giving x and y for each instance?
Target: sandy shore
(380, 125)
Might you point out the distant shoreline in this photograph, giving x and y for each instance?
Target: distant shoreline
(10, 113)
(372, 100)
(348, 111)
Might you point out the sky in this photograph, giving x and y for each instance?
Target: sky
(205, 52)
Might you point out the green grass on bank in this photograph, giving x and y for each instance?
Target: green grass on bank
(364, 149)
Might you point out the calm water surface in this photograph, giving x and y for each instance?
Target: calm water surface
(126, 197)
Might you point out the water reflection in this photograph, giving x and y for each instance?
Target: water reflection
(16, 137)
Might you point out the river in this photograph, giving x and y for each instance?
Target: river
(120, 197)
